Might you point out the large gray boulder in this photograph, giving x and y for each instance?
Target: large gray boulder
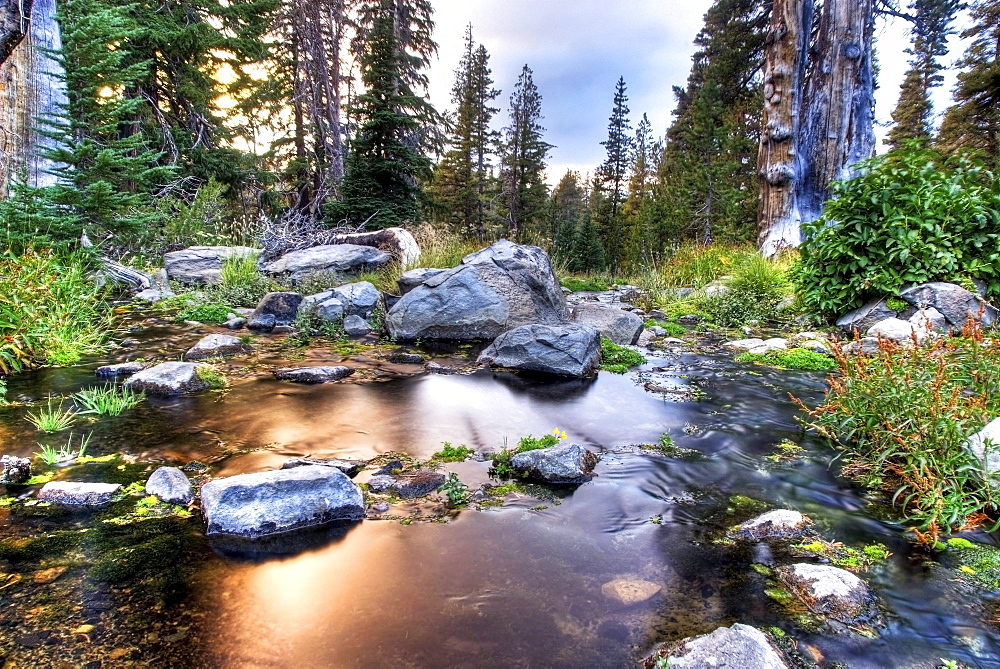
(737, 647)
(830, 591)
(620, 326)
(343, 259)
(558, 350)
(899, 331)
(864, 317)
(257, 505)
(170, 485)
(217, 345)
(199, 265)
(564, 464)
(167, 378)
(326, 306)
(954, 302)
(494, 290)
(410, 279)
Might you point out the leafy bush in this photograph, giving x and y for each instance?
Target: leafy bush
(796, 358)
(911, 216)
(451, 453)
(456, 492)
(902, 418)
(618, 359)
(755, 291)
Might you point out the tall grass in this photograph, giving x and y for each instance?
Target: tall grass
(50, 310)
(241, 284)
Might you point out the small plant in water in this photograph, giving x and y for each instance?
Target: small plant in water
(51, 455)
(618, 359)
(51, 419)
(108, 400)
(796, 358)
(456, 491)
(210, 375)
(451, 453)
(502, 461)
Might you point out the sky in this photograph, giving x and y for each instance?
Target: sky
(577, 50)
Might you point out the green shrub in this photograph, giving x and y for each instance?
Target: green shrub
(755, 291)
(902, 418)
(911, 216)
(211, 312)
(451, 453)
(241, 284)
(589, 283)
(618, 359)
(796, 358)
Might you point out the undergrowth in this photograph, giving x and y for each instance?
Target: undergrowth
(618, 359)
(795, 358)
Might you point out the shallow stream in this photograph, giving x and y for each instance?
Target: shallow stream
(513, 586)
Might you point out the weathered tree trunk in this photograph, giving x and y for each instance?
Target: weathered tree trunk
(810, 141)
(15, 16)
(787, 46)
(31, 89)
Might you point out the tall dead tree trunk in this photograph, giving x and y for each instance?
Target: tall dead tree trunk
(804, 150)
(31, 90)
(786, 45)
(15, 16)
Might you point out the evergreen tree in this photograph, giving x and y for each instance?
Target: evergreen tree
(588, 252)
(913, 112)
(973, 122)
(461, 179)
(522, 170)
(385, 161)
(566, 206)
(707, 182)
(616, 167)
(636, 210)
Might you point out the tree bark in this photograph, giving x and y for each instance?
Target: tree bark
(31, 88)
(780, 169)
(809, 143)
(15, 16)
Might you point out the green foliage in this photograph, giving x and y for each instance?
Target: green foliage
(50, 310)
(215, 379)
(618, 359)
(673, 329)
(241, 284)
(897, 304)
(588, 283)
(109, 400)
(795, 358)
(902, 419)
(757, 287)
(51, 419)
(51, 455)
(211, 312)
(845, 557)
(911, 216)
(451, 453)
(501, 461)
(695, 265)
(456, 491)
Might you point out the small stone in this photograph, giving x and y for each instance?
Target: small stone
(830, 591)
(16, 471)
(565, 464)
(84, 629)
(777, 524)
(740, 646)
(46, 576)
(415, 484)
(69, 493)
(217, 345)
(406, 358)
(437, 368)
(170, 485)
(120, 369)
(380, 507)
(349, 467)
(629, 591)
(356, 326)
(313, 374)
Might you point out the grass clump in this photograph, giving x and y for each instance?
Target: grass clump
(51, 419)
(108, 400)
(215, 379)
(795, 358)
(52, 455)
(241, 284)
(757, 288)
(451, 453)
(618, 359)
(902, 418)
(209, 312)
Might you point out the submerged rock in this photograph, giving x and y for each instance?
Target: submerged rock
(830, 591)
(410, 485)
(313, 374)
(558, 350)
(494, 290)
(564, 464)
(71, 493)
(168, 378)
(16, 471)
(777, 524)
(121, 369)
(345, 259)
(620, 326)
(265, 503)
(217, 345)
(737, 647)
(170, 485)
(630, 591)
(349, 467)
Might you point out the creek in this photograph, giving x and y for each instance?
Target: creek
(513, 586)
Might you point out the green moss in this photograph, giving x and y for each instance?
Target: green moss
(897, 304)
(977, 563)
(796, 358)
(590, 283)
(741, 504)
(960, 544)
(204, 313)
(618, 359)
(780, 595)
(845, 557)
(786, 451)
(37, 548)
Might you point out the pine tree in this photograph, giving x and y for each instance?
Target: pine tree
(636, 209)
(588, 252)
(461, 179)
(973, 122)
(522, 170)
(616, 167)
(707, 182)
(913, 112)
(386, 159)
(567, 205)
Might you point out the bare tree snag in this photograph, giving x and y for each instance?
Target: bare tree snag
(786, 47)
(15, 16)
(818, 111)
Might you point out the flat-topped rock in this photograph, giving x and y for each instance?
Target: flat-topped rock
(76, 494)
(776, 524)
(313, 374)
(349, 467)
(563, 464)
(267, 503)
(629, 591)
(556, 350)
(200, 265)
(620, 326)
(217, 345)
(167, 378)
(342, 259)
(830, 591)
(737, 647)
